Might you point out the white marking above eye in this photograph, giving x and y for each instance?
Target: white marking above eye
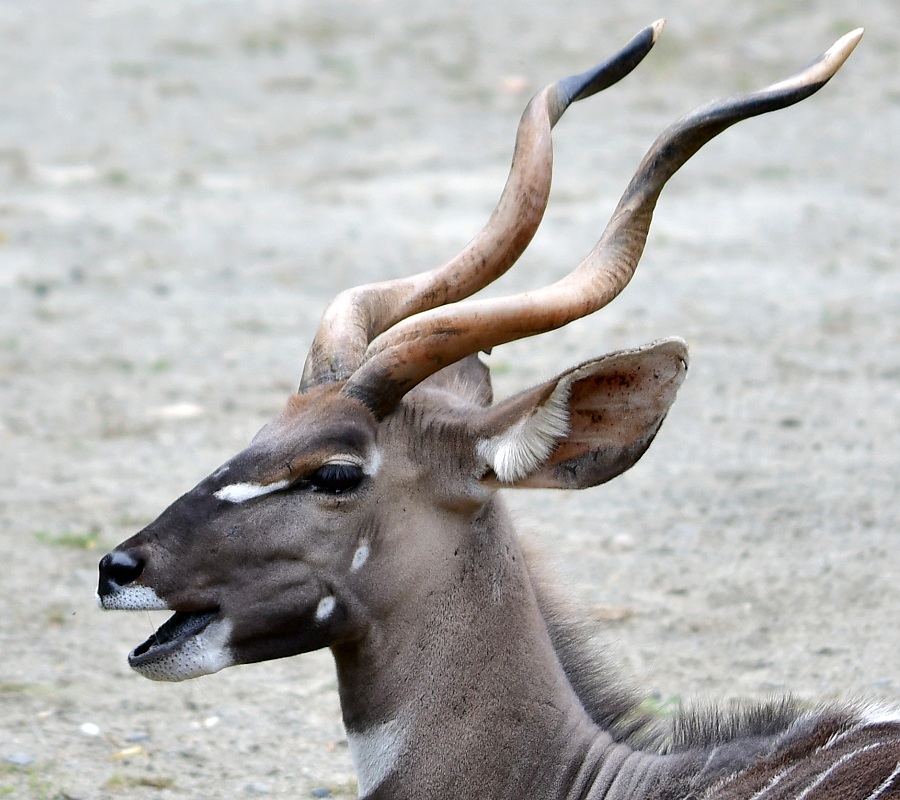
(241, 492)
(325, 608)
(374, 463)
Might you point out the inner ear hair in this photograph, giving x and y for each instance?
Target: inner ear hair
(521, 448)
(585, 426)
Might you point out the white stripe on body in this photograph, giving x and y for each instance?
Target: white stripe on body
(774, 782)
(886, 784)
(823, 776)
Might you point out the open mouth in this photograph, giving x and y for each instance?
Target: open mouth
(171, 635)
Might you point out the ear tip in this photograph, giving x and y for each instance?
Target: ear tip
(671, 344)
(673, 350)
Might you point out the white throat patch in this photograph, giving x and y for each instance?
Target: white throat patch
(375, 752)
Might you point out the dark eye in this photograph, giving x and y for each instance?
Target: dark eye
(336, 478)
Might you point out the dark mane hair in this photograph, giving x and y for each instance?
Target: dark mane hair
(618, 707)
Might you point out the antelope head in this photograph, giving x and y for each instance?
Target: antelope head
(383, 466)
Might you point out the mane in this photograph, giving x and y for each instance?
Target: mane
(738, 733)
(610, 701)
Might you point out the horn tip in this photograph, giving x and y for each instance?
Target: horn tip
(657, 28)
(842, 48)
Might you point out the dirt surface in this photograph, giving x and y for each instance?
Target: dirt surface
(186, 184)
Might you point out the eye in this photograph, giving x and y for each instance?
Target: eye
(336, 478)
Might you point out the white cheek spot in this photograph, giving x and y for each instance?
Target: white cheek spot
(325, 608)
(241, 492)
(133, 598)
(360, 557)
(375, 753)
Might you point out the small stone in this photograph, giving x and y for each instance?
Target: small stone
(18, 759)
(179, 411)
(612, 613)
(137, 736)
(321, 792)
(513, 84)
(257, 787)
(90, 729)
(622, 543)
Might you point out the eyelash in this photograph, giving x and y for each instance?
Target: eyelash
(335, 478)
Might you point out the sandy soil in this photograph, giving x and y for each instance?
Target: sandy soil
(186, 184)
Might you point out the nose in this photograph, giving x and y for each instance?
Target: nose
(118, 569)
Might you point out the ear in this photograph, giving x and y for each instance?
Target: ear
(469, 377)
(585, 426)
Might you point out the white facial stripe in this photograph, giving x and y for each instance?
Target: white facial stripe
(375, 752)
(133, 598)
(325, 608)
(360, 557)
(241, 492)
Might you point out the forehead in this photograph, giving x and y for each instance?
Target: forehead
(323, 412)
(312, 428)
(321, 424)
(321, 417)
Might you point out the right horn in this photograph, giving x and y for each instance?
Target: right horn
(406, 354)
(358, 315)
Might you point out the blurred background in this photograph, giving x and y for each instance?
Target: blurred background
(185, 185)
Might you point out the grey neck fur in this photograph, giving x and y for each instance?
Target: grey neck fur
(542, 717)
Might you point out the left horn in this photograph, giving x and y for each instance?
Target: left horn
(358, 315)
(419, 346)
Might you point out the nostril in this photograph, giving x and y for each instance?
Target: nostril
(118, 569)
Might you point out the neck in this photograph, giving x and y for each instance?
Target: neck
(462, 686)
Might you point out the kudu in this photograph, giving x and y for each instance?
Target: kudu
(364, 518)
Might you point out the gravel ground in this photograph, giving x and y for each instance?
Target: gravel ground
(186, 184)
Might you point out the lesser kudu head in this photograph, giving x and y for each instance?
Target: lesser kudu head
(372, 473)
